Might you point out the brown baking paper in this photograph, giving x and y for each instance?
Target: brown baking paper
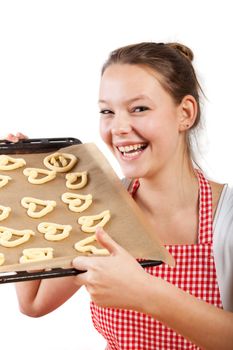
(127, 225)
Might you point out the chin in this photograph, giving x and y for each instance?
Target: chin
(132, 173)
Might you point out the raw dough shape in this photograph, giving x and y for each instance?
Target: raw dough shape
(36, 254)
(10, 163)
(51, 231)
(87, 222)
(75, 201)
(4, 179)
(33, 173)
(32, 203)
(60, 162)
(2, 259)
(4, 212)
(83, 246)
(7, 233)
(72, 178)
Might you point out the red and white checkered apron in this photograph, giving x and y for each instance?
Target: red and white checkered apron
(194, 273)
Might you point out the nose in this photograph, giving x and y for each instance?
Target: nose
(121, 124)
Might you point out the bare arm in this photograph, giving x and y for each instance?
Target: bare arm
(205, 325)
(37, 298)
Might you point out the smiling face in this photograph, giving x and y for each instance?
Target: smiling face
(139, 120)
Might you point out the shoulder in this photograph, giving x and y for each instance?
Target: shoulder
(217, 189)
(223, 198)
(223, 245)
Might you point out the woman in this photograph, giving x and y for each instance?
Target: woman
(149, 106)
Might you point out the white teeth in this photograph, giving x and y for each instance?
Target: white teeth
(130, 147)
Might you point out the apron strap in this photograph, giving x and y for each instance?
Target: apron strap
(205, 235)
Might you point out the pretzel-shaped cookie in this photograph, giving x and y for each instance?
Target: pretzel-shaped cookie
(31, 204)
(51, 230)
(2, 258)
(60, 162)
(10, 163)
(72, 177)
(75, 201)
(33, 173)
(6, 234)
(4, 212)
(36, 254)
(83, 246)
(4, 179)
(88, 221)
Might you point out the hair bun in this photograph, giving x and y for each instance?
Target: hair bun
(184, 50)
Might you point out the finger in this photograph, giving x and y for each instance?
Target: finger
(21, 136)
(82, 263)
(106, 241)
(11, 137)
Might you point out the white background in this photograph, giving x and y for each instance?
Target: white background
(51, 53)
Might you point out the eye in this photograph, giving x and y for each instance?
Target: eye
(106, 112)
(139, 109)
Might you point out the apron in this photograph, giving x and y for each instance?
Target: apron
(194, 273)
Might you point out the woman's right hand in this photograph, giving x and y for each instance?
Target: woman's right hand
(15, 138)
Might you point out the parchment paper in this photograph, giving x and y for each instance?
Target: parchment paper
(127, 224)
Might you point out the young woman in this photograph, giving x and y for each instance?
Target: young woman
(149, 109)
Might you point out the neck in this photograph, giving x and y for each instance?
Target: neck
(168, 190)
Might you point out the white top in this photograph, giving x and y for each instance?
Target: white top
(223, 246)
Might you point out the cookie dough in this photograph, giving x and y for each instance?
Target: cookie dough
(73, 177)
(10, 163)
(60, 162)
(36, 254)
(32, 204)
(6, 234)
(34, 173)
(83, 246)
(4, 179)
(87, 222)
(53, 231)
(77, 202)
(2, 259)
(4, 212)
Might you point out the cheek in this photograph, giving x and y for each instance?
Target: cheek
(105, 132)
(162, 133)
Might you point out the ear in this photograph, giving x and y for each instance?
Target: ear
(187, 112)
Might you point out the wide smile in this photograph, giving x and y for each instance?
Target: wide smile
(131, 152)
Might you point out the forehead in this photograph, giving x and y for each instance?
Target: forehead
(125, 79)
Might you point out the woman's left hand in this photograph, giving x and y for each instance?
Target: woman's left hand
(116, 280)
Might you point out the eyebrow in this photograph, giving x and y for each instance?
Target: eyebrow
(139, 97)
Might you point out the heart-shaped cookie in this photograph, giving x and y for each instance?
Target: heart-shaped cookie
(77, 202)
(83, 246)
(73, 177)
(32, 205)
(87, 222)
(54, 232)
(10, 163)
(7, 233)
(36, 254)
(34, 173)
(60, 162)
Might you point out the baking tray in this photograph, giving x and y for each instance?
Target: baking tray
(40, 145)
(37, 145)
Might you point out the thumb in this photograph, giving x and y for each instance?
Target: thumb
(106, 241)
